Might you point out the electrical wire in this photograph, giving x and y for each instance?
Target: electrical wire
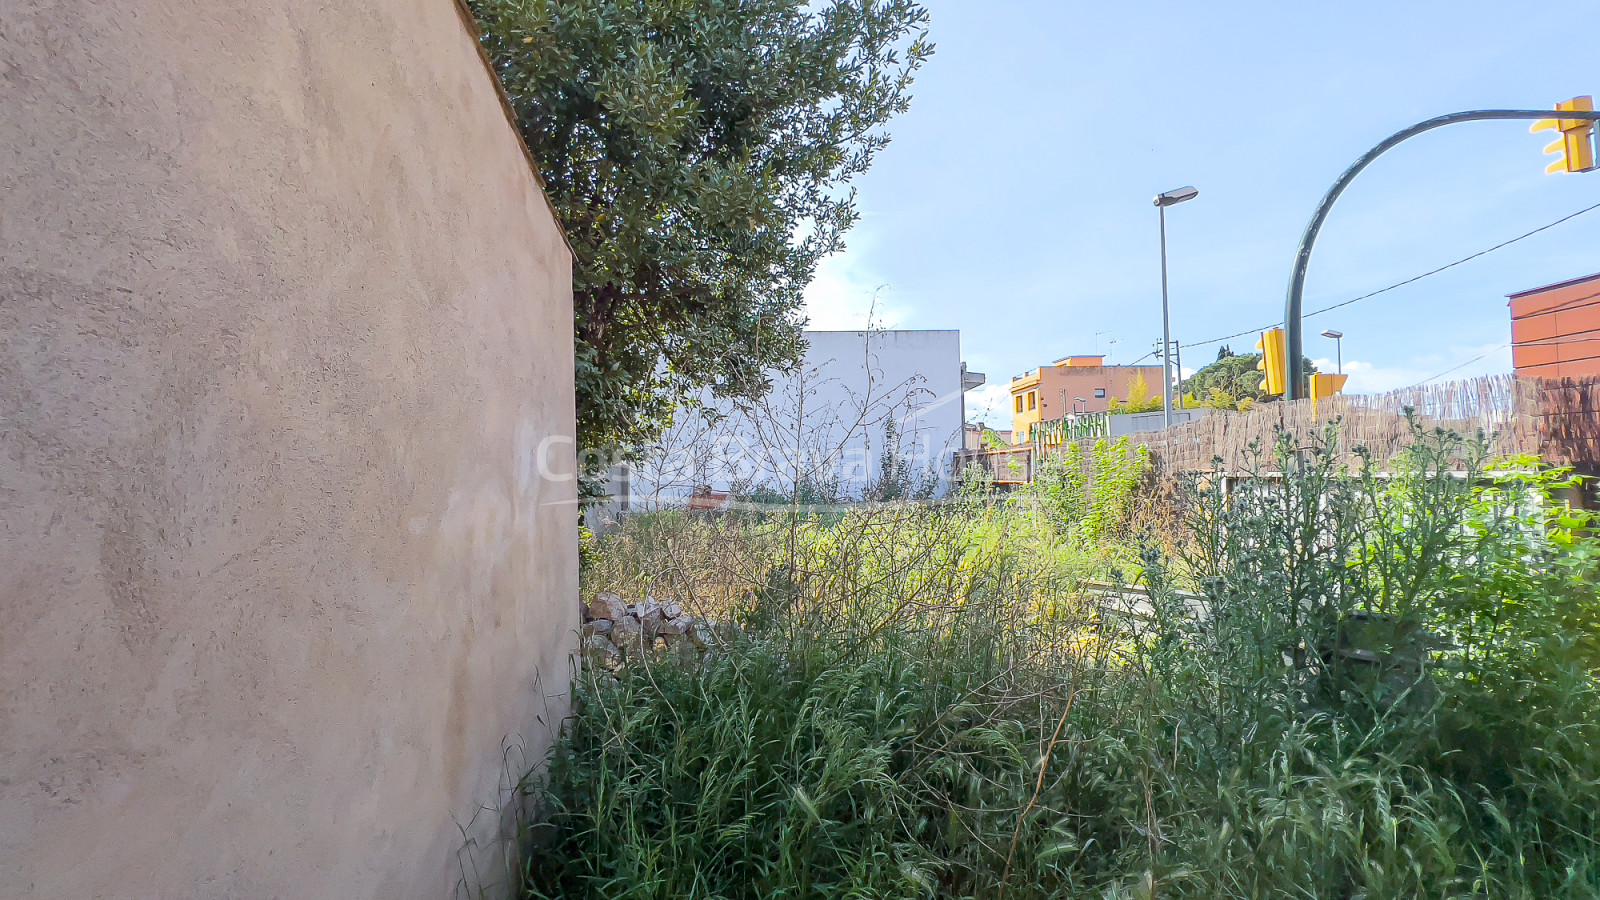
(1400, 284)
(1543, 342)
(1462, 366)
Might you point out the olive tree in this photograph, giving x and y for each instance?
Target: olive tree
(699, 154)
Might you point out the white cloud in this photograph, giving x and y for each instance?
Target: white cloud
(991, 405)
(843, 295)
(1367, 378)
(1371, 378)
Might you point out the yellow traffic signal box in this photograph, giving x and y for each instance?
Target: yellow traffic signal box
(1576, 144)
(1271, 365)
(1324, 386)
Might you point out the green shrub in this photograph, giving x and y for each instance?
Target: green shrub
(1089, 496)
(1343, 685)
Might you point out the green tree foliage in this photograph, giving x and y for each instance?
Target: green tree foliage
(1089, 502)
(698, 153)
(1229, 381)
(1139, 398)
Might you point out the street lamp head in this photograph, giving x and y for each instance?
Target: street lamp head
(1176, 196)
(1081, 399)
(1330, 333)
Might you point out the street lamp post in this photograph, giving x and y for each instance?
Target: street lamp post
(1162, 201)
(1338, 346)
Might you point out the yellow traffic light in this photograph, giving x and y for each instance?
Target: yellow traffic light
(1324, 386)
(1576, 144)
(1271, 365)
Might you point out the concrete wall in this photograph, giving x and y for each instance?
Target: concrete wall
(1139, 423)
(284, 320)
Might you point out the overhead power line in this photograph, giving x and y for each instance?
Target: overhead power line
(1462, 366)
(1400, 284)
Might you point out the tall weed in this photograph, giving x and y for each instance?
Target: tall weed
(1338, 685)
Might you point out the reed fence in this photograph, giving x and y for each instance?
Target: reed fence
(1500, 408)
(1557, 419)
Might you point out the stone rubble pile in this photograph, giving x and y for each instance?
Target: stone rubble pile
(616, 632)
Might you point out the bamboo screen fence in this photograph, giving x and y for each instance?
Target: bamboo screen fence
(1499, 407)
(1559, 419)
(1569, 418)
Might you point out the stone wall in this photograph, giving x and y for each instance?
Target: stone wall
(285, 340)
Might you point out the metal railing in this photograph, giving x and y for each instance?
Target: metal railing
(1076, 427)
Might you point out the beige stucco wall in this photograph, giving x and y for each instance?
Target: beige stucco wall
(284, 320)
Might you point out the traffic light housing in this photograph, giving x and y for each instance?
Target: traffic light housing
(1273, 356)
(1576, 143)
(1324, 386)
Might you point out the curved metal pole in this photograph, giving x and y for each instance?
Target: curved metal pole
(1294, 344)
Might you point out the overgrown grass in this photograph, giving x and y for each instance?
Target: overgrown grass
(1334, 686)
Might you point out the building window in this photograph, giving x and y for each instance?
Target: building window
(1019, 403)
(1033, 400)
(1099, 393)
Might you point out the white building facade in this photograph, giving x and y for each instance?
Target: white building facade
(868, 415)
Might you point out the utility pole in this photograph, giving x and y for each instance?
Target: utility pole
(1177, 360)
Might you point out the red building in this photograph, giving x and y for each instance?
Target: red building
(1555, 329)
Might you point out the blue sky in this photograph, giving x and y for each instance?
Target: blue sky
(1014, 203)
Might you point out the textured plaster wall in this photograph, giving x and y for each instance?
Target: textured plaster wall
(284, 321)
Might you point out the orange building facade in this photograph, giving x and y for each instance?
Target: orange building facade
(1074, 384)
(1555, 329)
